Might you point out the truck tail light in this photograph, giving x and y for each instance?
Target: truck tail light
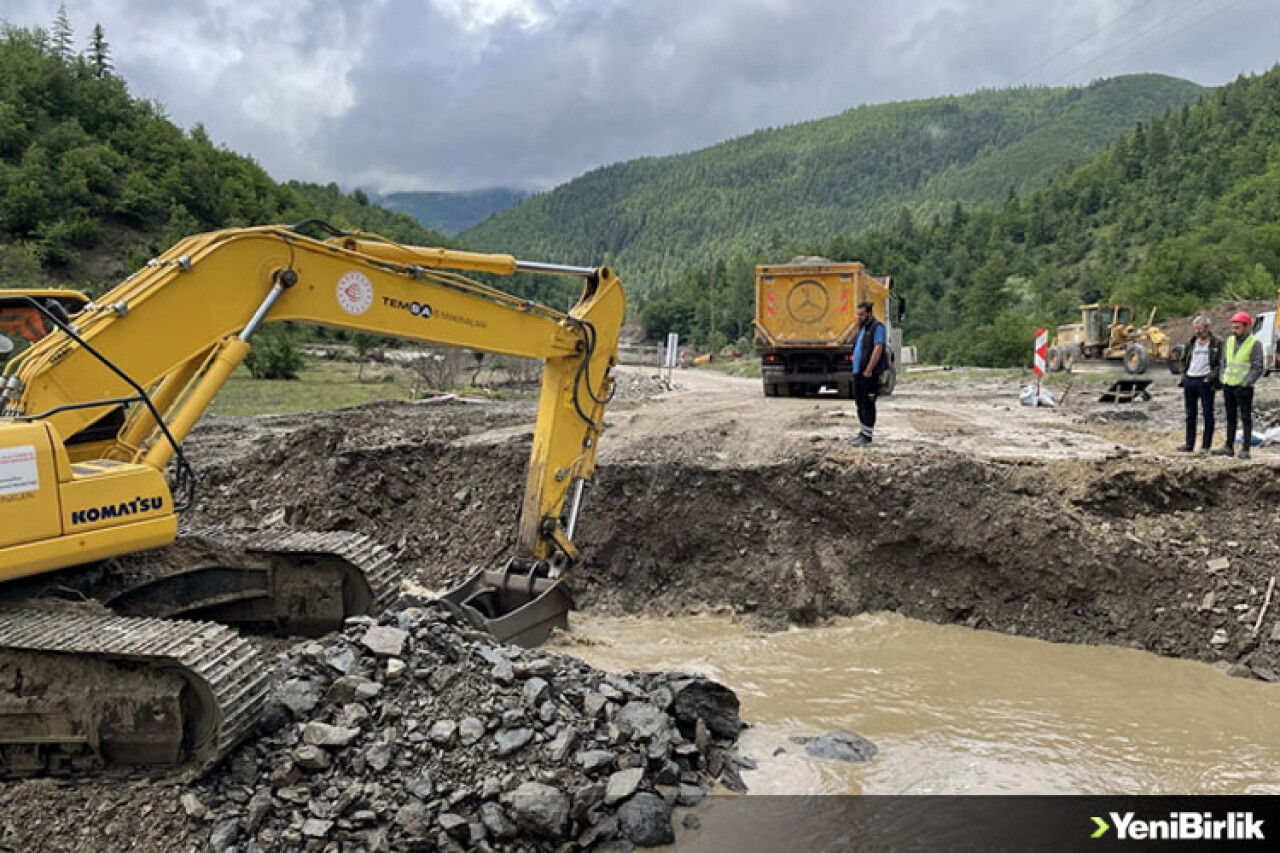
(772, 358)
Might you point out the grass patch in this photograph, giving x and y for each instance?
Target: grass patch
(750, 368)
(320, 385)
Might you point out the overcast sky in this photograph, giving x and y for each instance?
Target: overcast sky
(460, 94)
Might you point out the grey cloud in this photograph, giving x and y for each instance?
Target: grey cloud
(407, 94)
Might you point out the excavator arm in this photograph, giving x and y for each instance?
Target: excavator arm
(148, 358)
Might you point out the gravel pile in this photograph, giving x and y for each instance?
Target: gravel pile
(416, 732)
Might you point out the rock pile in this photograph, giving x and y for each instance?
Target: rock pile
(416, 732)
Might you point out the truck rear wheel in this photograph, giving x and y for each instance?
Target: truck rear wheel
(845, 390)
(1055, 359)
(888, 381)
(771, 389)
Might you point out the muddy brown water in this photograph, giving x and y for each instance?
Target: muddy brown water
(958, 711)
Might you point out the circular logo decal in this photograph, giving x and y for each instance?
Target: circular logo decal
(807, 302)
(355, 293)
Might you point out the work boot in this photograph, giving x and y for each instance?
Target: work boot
(861, 441)
(1224, 451)
(1186, 448)
(1244, 453)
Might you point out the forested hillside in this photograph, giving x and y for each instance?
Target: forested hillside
(452, 213)
(1182, 212)
(93, 182)
(653, 217)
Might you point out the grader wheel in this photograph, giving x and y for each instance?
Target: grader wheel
(1135, 359)
(1071, 357)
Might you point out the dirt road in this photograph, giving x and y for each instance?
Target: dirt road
(724, 420)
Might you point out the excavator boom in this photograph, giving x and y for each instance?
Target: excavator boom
(93, 415)
(178, 328)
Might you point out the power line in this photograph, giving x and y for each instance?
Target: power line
(1107, 53)
(1181, 30)
(1098, 31)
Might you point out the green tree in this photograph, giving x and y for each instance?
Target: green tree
(365, 344)
(274, 355)
(99, 53)
(61, 38)
(20, 266)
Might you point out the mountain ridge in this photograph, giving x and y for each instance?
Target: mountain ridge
(652, 216)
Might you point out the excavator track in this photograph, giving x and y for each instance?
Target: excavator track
(378, 565)
(155, 681)
(86, 691)
(291, 582)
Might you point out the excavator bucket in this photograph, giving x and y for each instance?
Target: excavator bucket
(515, 607)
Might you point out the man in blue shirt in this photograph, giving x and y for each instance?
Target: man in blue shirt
(869, 361)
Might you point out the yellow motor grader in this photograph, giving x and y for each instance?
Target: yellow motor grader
(1108, 333)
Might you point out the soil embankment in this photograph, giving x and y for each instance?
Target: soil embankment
(1072, 525)
(775, 515)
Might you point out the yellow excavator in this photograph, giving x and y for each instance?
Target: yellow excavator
(92, 419)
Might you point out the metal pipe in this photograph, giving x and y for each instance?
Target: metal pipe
(555, 269)
(256, 320)
(575, 505)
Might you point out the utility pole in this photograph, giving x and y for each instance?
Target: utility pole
(711, 302)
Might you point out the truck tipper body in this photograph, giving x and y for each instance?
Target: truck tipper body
(806, 325)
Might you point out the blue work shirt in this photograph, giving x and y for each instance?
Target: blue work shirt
(879, 338)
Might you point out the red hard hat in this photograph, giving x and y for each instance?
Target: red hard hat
(1242, 317)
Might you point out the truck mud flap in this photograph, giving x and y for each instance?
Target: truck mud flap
(515, 607)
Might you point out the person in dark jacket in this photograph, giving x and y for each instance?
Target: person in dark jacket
(1241, 367)
(1201, 376)
(869, 361)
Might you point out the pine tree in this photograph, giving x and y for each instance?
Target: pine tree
(61, 39)
(100, 53)
(905, 226)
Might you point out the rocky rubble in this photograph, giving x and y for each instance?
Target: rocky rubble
(417, 732)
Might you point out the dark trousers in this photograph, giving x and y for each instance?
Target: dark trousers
(864, 394)
(1238, 399)
(1198, 392)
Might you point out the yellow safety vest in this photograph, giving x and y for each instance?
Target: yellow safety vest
(1237, 360)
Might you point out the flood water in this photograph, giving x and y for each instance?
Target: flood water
(957, 711)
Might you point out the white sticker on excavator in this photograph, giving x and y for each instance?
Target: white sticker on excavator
(18, 471)
(355, 293)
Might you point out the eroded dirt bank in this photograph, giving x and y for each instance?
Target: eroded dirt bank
(1143, 550)
(1073, 526)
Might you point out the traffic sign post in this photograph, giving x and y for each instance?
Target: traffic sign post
(1041, 354)
(672, 354)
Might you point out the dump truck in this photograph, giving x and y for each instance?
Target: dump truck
(806, 328)
(1108, 333)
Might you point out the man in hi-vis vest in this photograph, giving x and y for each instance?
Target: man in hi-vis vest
(1241, 367)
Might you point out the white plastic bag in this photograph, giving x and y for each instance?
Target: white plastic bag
(1266, 437)
(1028, 397)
